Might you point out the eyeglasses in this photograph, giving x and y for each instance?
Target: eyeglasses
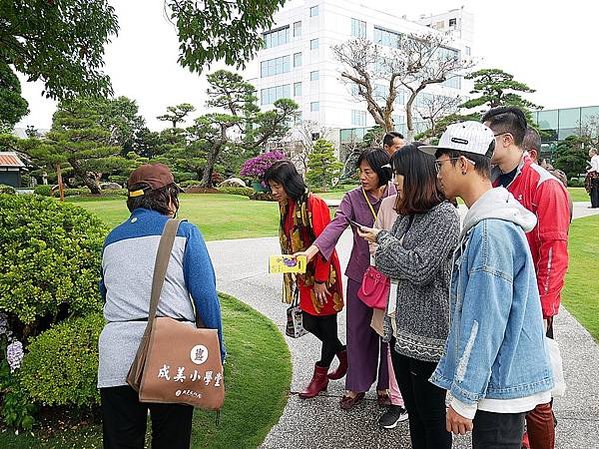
(438, 164)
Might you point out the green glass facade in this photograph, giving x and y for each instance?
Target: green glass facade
(557, 124)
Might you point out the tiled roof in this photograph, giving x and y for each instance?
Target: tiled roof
(10, 159)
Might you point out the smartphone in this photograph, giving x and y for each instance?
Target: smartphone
(358, 225)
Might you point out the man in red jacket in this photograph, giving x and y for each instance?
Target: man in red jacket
(544, 195)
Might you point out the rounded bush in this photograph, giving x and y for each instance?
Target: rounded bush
(43, 190)
(243, 191)
(8, 190)
(51, 260)
(61, 366)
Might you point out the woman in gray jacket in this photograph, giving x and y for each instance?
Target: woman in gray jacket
(416, 255)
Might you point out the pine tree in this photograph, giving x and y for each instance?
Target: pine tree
(323, 166)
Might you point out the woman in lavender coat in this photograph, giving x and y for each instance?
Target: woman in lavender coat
(366, 353)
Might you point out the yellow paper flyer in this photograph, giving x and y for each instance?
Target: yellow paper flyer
(287, 264)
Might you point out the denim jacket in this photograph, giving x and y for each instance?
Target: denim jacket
(495, 348)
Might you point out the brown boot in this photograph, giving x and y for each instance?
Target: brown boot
(318, 383)
(342, 368)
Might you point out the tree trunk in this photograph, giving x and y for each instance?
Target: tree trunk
(90, 179)
(209, 168)
(60, 183)
(410, 119)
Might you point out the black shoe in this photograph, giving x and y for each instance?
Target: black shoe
(394, 415)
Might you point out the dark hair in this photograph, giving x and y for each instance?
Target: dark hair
(507, 119)
(420, 188)
(285, 173)
(154, 199)
(532, 140)
(482, 162)
(388, 139)
(376, 158)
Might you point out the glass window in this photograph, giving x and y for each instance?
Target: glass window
(358, 28)
(453, 22)
(401, 97)
(386, 37)
(297, 89)
(468, 51)
(448, 53)
(314, 76)
(276, 37)
(455, 82)
(548, 120)
(314, 11)
(297, 59)
(272, 94)
(315, 106)
(275, 66)
(314, 44)
(358, 118)
(297, 29)
(569, 118)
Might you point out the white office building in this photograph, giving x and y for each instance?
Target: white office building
(297, 61)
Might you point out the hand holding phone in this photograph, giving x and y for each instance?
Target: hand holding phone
(357, 225)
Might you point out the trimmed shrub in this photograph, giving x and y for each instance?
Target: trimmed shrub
(243, 191)
(189, 183)
(73, 192)
(7, 190)
(51, 261)
(43, 190)
(262, 196)
(61, 367)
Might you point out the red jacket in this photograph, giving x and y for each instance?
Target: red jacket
(545, 196)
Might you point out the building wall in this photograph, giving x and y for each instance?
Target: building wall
(10, 178)
(337, 108)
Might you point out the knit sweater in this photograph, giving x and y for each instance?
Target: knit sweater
(421, 265)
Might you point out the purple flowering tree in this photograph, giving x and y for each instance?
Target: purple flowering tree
(255, 167)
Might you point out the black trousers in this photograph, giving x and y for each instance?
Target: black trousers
(424, 402)
(124, 421)
(325, 329)
(594, 192)
(497, 430)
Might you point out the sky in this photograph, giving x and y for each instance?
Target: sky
(547, 45)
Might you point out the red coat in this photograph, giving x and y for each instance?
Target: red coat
(545, 196)
(321, 217)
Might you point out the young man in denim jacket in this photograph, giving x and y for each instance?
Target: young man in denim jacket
(495, 365)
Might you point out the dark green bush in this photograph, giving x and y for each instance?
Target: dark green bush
(243, 191)
(50, 264)
(72, 192)
(43, 190)
(8, 190)
(61, 367)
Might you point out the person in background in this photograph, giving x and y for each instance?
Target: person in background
(416, 254)
(532, 145)
(592, 178)
(392, 142)
(303, 218)
(495, 364)
(546, 197)
(366, 353)
(128, 259)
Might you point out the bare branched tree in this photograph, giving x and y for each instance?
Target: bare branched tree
(433, 108)
(428, 59)
(300, 141)
(417, 62)
(363, 67)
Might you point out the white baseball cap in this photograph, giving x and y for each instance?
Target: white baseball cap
(466, 137)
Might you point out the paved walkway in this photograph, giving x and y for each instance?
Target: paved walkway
(241, 267)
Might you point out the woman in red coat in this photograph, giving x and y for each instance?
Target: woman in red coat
(303, 217)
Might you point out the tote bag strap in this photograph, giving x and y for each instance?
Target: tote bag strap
(163, 257)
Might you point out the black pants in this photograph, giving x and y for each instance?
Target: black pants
(497, 430)
(595, 192)
(124, 421)
(325, 329)
(424, 402)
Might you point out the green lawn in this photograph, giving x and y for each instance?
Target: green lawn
(581, 293)
(257, 379)
(218, 216)
(578, 194)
